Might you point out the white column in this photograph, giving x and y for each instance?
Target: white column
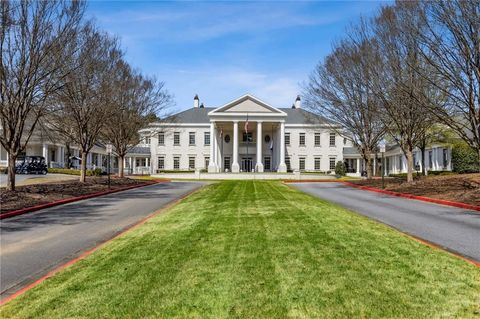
(259, 166)
(282, 168)
(130, 166)
(45, 153)
(59, 155)
(89, 160)
(211, 164)
(358, 166)
(235, 166)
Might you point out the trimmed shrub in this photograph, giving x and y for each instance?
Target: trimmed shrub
(464, 158)
(71, 171)
(340, 169)
(96, 172)
(64, 171)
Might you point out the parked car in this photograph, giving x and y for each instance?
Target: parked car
(31, 165)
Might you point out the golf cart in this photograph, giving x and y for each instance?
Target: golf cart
(31, 165)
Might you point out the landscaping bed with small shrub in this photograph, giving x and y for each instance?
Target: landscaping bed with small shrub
(32, 195)
(464, 188)
(70, 171)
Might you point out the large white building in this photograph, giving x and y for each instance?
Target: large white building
(218, 139)
(274, 140)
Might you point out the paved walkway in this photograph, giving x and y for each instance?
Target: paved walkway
(31, 245)
(30, 179)
(455, 229)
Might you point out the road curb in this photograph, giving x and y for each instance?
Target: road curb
(100, 245)
(287, 181)
(74, 199)
(416, 197)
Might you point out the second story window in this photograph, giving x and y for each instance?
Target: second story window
(302, 139)
(287, 138)
(176, 138)
(206, 138)
(191, 138)
(161, 138)
(332, 139)
(247, 137)
(146, 140)
(317, 139)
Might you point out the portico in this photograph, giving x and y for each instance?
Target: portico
(247, 135)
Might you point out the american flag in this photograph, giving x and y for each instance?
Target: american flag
(246, 125)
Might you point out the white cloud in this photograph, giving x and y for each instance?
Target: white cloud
(193, 22)
(218, 86)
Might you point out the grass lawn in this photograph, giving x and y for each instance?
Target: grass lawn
(257, 249)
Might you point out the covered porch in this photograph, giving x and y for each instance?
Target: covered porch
(247, 136)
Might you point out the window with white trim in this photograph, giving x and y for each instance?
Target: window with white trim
(207, 161)
(332, 162)
(206, 138)
(287, 138)
(176, 138)
(301, 139)
(317, 162)
(191, 162)
(161, 162)
(288, 164)
(176, 162)
(301, 163)
(191, 138)
(332, 139)
(161, 138)
(317, 139)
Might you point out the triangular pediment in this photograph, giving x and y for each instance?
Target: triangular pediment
(247, 104)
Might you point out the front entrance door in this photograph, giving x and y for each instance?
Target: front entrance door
(247, 164)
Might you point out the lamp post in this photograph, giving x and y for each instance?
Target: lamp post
(109, 152)
(382, 150)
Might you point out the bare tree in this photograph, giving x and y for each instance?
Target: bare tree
(405, 95)
(133, 99)
(32, 37)
(83, 101)
(340, 89)
(451, 47)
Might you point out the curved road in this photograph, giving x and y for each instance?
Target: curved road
(455, 229)
(31, 245)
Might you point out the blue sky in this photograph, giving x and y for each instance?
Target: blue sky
(222, 50)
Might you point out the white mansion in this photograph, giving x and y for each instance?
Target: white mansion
(244, 135)
(248, 134)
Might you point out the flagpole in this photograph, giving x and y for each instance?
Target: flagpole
(248, 140)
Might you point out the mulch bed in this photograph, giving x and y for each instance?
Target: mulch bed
(464, 188)
(32, 195)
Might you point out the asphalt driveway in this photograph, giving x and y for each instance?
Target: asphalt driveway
(30, 179)
(454, 229)
(31, 245)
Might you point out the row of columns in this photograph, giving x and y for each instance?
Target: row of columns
(215, 158)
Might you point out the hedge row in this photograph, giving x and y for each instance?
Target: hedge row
(94, 172)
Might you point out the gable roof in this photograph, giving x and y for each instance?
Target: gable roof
(247, 104)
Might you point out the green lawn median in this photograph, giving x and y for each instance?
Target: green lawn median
(258, 249)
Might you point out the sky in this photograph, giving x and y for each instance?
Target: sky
(223, 50)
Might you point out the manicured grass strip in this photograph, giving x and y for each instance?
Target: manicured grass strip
(257, 249)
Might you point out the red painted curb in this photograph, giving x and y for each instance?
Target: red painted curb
(92, 250)
(73, 199)
(410, 196)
